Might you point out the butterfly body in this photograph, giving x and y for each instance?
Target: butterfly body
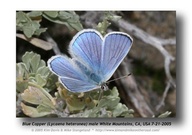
(93, 60)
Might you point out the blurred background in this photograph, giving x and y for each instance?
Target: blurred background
(151, 88)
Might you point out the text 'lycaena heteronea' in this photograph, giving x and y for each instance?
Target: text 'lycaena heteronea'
(94, 60)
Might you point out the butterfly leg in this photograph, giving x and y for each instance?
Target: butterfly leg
(100, 94)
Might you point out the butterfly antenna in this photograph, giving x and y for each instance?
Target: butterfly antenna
(119, 78)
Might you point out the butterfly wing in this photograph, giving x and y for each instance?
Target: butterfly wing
(93, 60)
(86, 46)
(116, 46)
(70, 75)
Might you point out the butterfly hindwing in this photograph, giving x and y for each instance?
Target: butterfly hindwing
(70, 75)
(116, 46)
(77, 85)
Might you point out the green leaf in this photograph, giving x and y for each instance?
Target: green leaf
(51, 82)
(164, 115)
(42, 63)
(43, 71)
(102, 26)
(77, 26)
(70, 19)
(40, 80)
(33, 69)
(21, 71)
(35, 112)
(75, 104)
(35, 24)
(34, 13)
(65, 15)
(35, 96)
(114, 92)
(21, 17)
(28, 31)
(109, 16)
(108, 102)
(21, 86)
(21, 76)
(42, 109)
(114, 18)
(119, 109)
(27, 25)
(52, 14)
(39, 31)
(30, 28)
(35, 60)
(26, 58)
(89, 103)
(32, 78)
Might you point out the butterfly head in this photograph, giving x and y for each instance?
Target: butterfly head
(104, 87)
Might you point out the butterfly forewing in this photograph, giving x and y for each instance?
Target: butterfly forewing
(86, 46)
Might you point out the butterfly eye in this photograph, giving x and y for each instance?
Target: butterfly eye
(104, 87)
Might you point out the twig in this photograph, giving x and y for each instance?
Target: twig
(90, 18)
(18, 102)
(52, 42)
(132, 91)
(162, 103)
(170, 41)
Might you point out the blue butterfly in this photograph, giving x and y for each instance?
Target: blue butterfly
(94, 60)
